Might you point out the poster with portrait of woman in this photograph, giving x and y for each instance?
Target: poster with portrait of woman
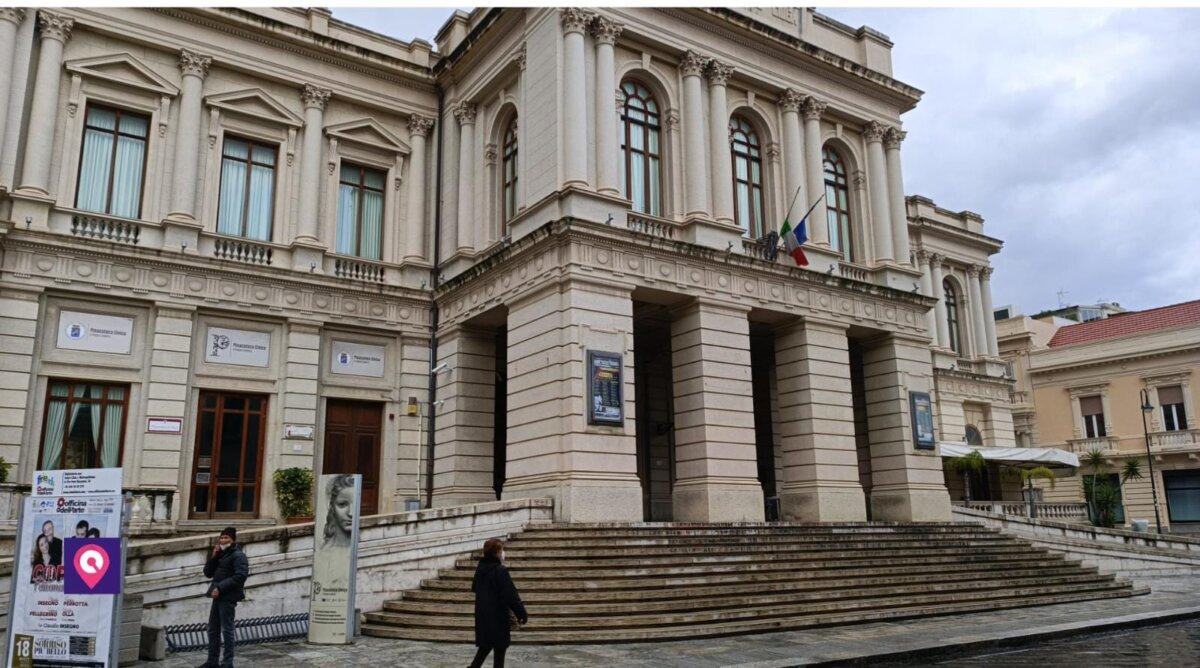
(335, 559)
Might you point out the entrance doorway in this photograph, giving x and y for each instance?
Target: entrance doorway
(227, 467)
(352, 434)
(654, 409)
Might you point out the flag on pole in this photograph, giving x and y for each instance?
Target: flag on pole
(794, 238)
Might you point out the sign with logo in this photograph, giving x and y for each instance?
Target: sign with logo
(299, 432)
(605, 405)
(237, 346)
(356, 359)
(921, 407)
(162, 425)
(335, 559)
(94, 332)
(67, 581)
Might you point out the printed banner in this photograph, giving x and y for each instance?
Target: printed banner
(335, 559)
(94, 332)
(356, 359)
(237, 346)
(74, 482)
(604, 388)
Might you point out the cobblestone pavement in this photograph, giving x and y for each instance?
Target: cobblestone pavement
(770, 650)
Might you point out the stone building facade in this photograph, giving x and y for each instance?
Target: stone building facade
(242, 234)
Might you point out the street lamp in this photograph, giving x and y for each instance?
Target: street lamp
(1147, 408)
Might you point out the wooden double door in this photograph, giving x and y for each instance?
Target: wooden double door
(353, 431)
(228, 459)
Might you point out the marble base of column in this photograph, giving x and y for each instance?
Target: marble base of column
(823, 502)
(909, 504)
(714, 500)
(616, 499)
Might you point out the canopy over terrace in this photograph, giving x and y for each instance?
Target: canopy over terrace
(1050, 457)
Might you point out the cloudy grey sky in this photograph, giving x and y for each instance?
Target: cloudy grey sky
(1074, 132)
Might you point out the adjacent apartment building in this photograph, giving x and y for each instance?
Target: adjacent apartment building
(239, 240)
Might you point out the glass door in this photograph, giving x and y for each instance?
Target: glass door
(227, 469)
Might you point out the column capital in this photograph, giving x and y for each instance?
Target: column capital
(893, 137)
(465, 113)
(672, 120)
(575, 19)
(718, 72)
(54, 26)
(985, 273)
(194, 64)
(813, 109)
(315, 96)
(419, 126)
(874, 131)
(973, 270)
(923, 256)
(692, 64)
(791, 100)
(519, 58)
(12, 14)
(490, 154)
(606, 31)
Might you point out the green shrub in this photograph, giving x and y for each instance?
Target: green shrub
(4, 465)
(293, 491)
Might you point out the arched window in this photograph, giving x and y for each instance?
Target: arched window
(837, 204)
(641, 180)
(747, 176)
(951, 299)
(508, 173)
(972, 435)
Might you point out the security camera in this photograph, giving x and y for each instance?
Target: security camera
(439, 368)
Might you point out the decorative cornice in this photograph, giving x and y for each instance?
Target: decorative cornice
(606, 31)
(718, 72)
(692, 64)
(12, 14)
(419, 126)
(893, 138)
(874, 131)
(194, 64)
(813, 109)
(791, 99)
(574, 19)
(314, 96)
(54, 26)
(465, 113)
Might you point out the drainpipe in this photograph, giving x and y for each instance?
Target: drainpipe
(435, 279)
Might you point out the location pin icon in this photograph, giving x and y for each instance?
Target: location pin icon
(91, 563)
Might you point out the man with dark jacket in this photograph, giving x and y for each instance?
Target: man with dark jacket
(228, 569)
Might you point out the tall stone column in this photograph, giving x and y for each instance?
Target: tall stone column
(814, 170)
(794, 158)
(10, 20)
(718, 142)
(418, 130)
(927, 289)
(881, 216)
(895, 181)
(448, 162)
(989, 319)
(694, 151)
(307, 215)
(43, 111)
(187, 135)
(605, 32)
(575, 153)
(465, 113)
(939, 293)
(716, 460)
(978, 327)
(907, 485)
(22, 54)
(816, 424)
(463, 456)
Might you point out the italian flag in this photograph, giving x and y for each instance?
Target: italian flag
(794, 239)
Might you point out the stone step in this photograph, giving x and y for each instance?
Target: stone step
(601, 635)
(542, 532)
(782, 596)
(522, 544)
(733, 587)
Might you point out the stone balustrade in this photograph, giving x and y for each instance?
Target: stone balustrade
(356, 269)
(235, 249)
(1106, 444)
(854, 271)
(1179, 439)
(104, 228)
(652, 225)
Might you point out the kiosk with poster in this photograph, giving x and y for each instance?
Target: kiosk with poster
(335, 559)
(66, 588)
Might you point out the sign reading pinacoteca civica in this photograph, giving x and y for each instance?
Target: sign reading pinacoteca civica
(237, 346)
(356, 359)
(94, 332)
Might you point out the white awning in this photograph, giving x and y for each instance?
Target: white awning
(1044, 456)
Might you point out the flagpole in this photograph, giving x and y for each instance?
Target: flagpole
(787, 214)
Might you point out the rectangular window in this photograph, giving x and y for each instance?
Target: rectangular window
(84, 425)
(113, 161)
(360, 211)
(1183, 495)
(1093, 416)
(1171, 400)
(247, 198)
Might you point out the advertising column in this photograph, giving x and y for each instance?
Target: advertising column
(335, 559)
(67, 571)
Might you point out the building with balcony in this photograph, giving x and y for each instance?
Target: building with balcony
(239, 240)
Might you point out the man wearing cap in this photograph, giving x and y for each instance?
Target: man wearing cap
(228, 568)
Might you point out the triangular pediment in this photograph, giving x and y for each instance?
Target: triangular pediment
(254, 102)
(123, 69)
(368, 132)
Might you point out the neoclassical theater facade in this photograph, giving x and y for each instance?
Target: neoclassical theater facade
(536, 259)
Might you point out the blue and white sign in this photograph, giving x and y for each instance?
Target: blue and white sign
(356, 359)
(94, 332)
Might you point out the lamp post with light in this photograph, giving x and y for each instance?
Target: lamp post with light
(1148, 408)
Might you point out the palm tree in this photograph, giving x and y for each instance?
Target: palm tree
(972, 462)
(1095, 460)
(1132, 470)
(1027, 476)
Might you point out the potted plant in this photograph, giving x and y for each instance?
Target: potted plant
(293, 492)
(972, 462)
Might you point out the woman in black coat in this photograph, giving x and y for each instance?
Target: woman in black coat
(495, 596)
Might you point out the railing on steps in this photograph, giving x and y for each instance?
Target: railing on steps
(1042, 510)
(106, 229)
(192, 637)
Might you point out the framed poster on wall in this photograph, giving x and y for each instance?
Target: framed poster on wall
(605, 401)
(921, 409)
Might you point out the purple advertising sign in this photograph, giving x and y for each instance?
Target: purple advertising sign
(92, 566)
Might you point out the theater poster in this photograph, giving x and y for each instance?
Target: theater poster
(62, 533)
(335, 559)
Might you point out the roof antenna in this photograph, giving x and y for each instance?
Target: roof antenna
(1062, 298)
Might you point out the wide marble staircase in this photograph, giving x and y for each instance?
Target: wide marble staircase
(594, 583)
